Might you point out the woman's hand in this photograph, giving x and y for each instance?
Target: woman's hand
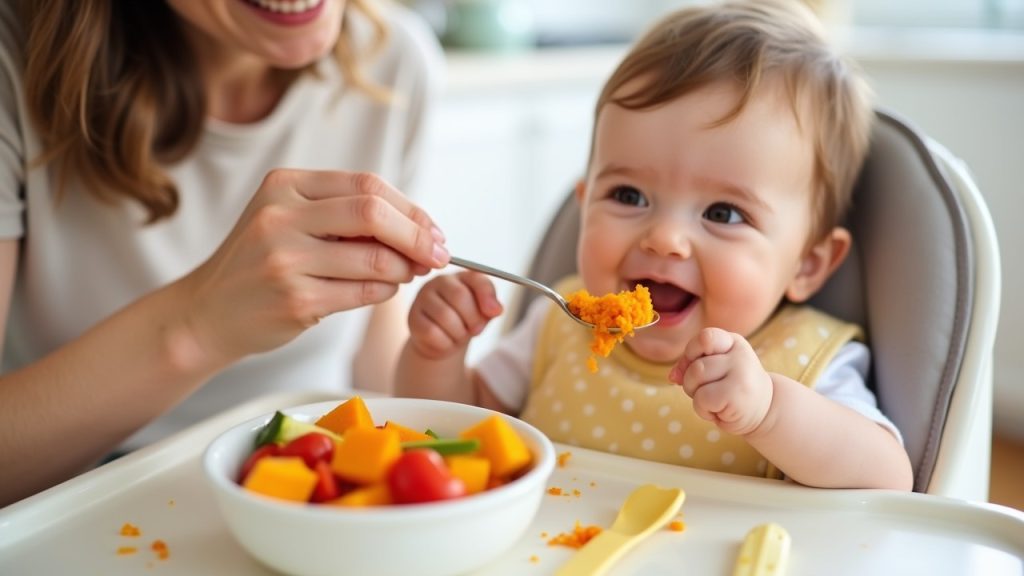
(449, 311)
(726, 380)
(308, 244)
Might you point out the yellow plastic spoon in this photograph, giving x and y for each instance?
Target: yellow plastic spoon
(645, 510)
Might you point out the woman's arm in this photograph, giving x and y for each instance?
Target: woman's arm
(62, 413)
(299, 252)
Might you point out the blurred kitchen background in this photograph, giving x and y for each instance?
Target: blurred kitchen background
(513, 128)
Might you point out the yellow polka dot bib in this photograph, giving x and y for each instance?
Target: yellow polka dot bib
(630, 407)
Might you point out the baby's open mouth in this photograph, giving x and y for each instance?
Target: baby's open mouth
(667, 298)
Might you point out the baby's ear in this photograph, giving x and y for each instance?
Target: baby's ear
(820, 261)
(581, 190)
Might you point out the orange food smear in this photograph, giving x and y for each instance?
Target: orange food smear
(579, 536)
(676, 526)
(126, 550)
(555, 491)
(130, 530)
(563, 459)
(160, 547)
(625, 310)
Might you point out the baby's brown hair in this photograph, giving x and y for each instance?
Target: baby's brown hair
(745, 42)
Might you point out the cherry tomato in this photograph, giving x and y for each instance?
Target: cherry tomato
(312, 448)
(257, 454)
(326, 485)
(421, 476)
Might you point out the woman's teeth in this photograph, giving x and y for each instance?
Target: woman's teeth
(286, 6)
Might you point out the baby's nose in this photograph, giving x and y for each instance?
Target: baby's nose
(668, 237)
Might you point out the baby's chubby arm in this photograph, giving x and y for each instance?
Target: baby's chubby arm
(812, 439)
(445, 316)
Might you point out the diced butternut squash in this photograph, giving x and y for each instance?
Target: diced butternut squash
(372, 495)
(500, 444)
(351, 413)
(286, 478)
(366, 454)
(405, 433)
(472, 470)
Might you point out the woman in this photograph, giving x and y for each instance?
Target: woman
(133, 135)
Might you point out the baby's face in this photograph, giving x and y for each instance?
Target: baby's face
(714, 220)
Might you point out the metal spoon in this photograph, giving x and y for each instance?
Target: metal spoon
(645, 510)
(545, 290)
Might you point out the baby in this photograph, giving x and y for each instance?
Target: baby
(724, 153)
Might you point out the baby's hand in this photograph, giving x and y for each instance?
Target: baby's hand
(449, 311)
(724, 376)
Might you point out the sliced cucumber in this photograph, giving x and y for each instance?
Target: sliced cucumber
(445, 446)
(282, 429)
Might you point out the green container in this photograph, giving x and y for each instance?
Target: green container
(490, 25)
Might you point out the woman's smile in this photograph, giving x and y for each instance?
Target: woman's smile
(287, 12)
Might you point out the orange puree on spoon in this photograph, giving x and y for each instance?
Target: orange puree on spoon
(625, 310)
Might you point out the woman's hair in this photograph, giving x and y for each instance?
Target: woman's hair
(115, 94)
(747, 42)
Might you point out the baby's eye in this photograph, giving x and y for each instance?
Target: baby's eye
(629, 195)
(723, 213)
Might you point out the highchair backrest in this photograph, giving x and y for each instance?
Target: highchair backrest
(922, 279)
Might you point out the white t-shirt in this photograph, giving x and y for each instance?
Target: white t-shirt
(81, 259)
(507, 370)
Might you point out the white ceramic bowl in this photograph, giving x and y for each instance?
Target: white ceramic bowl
(439, 538)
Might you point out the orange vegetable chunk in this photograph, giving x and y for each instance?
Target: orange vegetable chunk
(372, 495)
(351, 413)
(286, 478)
(472, 470)
(366, 455)
(406, 434)
(500, 444)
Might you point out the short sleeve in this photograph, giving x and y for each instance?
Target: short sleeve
(844, 381)
(417, 84)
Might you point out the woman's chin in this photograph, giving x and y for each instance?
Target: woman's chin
(298, 57)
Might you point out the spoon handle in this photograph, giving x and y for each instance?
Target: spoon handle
(598, 555)
(514, 278)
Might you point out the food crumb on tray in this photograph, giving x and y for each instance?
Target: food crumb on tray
(130, 530)
(579, 536)
(160, 547)
(563, 459)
